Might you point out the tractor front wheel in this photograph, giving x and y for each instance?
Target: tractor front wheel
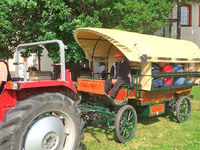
(49, 121)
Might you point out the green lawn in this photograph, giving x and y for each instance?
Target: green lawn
(156, 133)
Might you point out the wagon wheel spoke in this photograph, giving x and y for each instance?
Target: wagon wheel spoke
(121, 125)
(122, 129)
(127, 124)
(184, 108)
(126, 115)
(130, 116)
(124, 132)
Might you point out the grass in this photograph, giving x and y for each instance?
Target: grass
(155, 133)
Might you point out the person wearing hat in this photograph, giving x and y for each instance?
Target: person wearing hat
(119, 74)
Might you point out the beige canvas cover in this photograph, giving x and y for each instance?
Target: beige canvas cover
(101, 42)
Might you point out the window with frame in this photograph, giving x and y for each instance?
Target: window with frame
(186, 15)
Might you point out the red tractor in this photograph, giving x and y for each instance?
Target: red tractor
(40, 115)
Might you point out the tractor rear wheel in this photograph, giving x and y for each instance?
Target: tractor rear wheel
(49, 121)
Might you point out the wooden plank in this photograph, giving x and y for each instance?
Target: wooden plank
(156, 96)
(183, 91)
(91, 86)
(121, 95)
(156, 109)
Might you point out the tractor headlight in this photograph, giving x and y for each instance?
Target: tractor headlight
(13, 86)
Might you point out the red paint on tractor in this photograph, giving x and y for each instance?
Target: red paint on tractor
(8, 99)
(9, 96)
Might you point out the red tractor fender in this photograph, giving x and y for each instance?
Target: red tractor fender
(14, 91)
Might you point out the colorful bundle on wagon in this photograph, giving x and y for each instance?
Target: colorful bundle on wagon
(163, 71)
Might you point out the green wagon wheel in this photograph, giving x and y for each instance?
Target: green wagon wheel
(183, 109)
(125, 123)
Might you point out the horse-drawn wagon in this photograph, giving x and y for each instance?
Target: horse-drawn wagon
(141, 96)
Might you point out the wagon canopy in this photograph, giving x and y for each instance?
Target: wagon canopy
(102, 43)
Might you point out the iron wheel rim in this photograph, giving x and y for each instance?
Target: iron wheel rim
(184, 110)
(127, 124)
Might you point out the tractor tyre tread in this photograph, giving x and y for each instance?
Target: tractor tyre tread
(20, 113)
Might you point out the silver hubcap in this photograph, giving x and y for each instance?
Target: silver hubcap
(47, 133)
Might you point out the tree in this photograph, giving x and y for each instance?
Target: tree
(145, 16)
(23, 21)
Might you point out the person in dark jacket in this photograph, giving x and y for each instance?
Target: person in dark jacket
(119, 74)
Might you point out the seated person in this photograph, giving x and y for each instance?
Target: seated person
(102, 71)
(119, 74)
(166, 67)
(157, 82)
(5, 75)
(178, 80)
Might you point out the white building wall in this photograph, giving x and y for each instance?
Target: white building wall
(12, 67)
(46, 63)
(190, 33)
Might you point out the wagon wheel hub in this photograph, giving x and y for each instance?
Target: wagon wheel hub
(126, 123)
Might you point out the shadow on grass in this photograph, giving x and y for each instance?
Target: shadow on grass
(169, 115)
(84, 147)
(150, 120)
(99, 127)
